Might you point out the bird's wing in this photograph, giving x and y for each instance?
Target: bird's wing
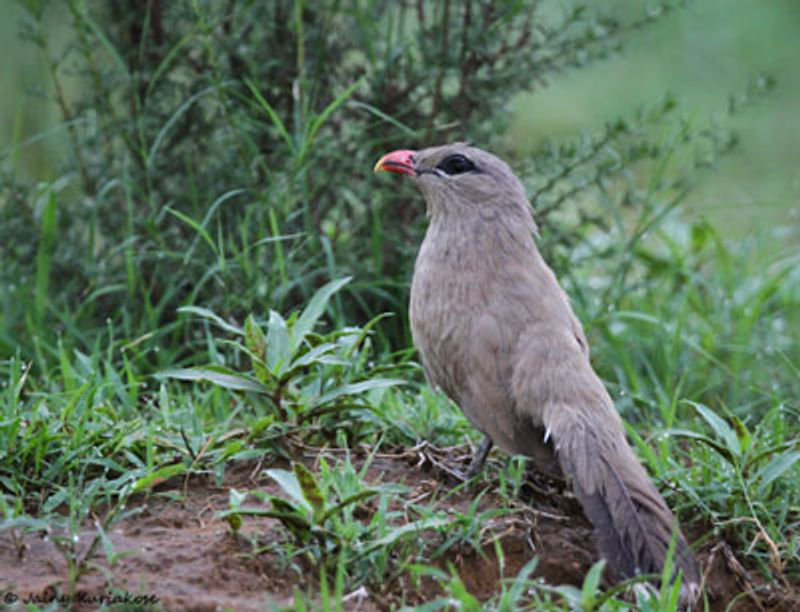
(487, 398)
(554, 385)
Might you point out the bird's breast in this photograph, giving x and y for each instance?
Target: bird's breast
(454, 285)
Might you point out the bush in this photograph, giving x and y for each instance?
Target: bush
(221, 156)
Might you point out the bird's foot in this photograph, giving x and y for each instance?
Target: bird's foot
(475, 464)
(479, 458)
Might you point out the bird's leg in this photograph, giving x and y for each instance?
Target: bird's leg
(475, 464)
(479, 458)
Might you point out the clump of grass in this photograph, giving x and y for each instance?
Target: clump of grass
(700, 359)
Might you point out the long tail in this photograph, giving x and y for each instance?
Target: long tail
(633, 523)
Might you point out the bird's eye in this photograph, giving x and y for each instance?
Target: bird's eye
(455, 164)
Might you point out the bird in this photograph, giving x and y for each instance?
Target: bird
(496, 332)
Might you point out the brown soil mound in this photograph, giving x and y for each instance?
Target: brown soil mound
(177, 554)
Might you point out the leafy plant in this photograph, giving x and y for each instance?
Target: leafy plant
(304, 376)
(750, 465)
(328, 520)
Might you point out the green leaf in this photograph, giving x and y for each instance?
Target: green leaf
(158, 476)
(176, 116)
(316, 356)
(571, 595)
(55, 500)
(199, 230)
(410, 528)
(27, 523)
(357, 497)
(208, 314)
(365, 330)
(693, 435)
(276, 120)
(313, 310)
(310, 489)
(288, 515)
(291, 518)
(460, 595)
(230, 449)
(218, 375)
(408, 131)
(591, 585)
(359, 387)
(260, 425)
(291, 486)
(742, 433)
(317, 122)
(277, 343)
(257, 344)
(724, 431)
(189, 254)
(254, 337)
(234, 522)
(776, 468)
(236, 498)
(105, 541)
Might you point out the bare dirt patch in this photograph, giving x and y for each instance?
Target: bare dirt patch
(178, 553)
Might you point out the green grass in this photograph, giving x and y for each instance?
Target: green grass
(705, 380)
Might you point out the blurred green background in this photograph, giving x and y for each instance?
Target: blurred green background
(700, 54)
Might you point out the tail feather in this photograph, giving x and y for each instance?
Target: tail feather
(634, 526)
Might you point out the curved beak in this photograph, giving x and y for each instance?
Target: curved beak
(400, 162)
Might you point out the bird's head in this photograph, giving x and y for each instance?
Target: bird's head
(459, 179)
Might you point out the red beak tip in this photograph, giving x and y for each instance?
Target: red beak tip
(400, 162)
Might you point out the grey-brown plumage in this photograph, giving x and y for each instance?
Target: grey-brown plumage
(496, 332)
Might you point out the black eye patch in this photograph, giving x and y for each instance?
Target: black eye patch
(455, 164)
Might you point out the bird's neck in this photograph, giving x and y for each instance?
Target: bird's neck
(460, 237)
